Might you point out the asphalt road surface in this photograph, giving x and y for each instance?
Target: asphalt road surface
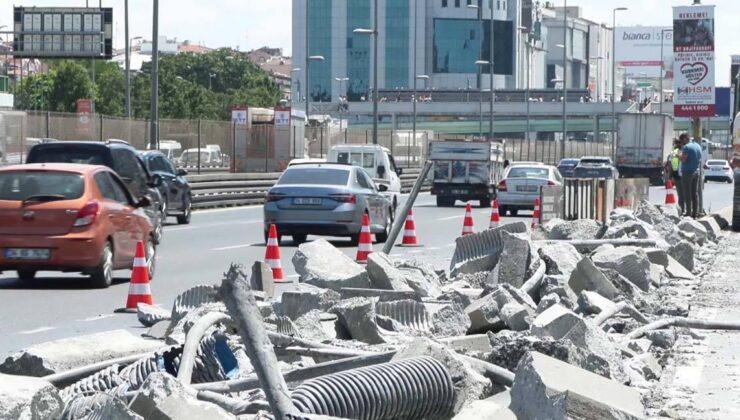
(60, 305)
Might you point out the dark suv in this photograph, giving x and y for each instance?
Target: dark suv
(117, 155)
(175, 190)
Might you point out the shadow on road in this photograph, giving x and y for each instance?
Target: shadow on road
(54, 283)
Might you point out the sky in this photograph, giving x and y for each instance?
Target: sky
(251, 24)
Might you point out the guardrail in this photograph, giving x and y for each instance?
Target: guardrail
(228, 190)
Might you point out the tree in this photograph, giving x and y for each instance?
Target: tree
(71, 82)
(34, 91)
(110, 89)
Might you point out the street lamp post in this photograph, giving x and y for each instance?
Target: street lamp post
(614, 81)
(565, 76)
(662, 64)
(154, 127)
(480, 63)
(527, 88)
(374, 33)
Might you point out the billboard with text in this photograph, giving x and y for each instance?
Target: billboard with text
(641, 50)
(693, 61)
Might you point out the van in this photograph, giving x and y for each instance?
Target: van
(376, 160)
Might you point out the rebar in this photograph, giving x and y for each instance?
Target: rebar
(418, 388)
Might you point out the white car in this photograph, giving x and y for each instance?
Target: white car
(718, 170)
(521, 186)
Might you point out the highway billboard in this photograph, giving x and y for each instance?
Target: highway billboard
(638, 51)
(693, 63)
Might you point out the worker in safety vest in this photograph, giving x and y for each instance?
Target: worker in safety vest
(673, 165)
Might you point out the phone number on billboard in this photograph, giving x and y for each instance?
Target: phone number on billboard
(689, 108)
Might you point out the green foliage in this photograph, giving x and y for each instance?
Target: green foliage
(191, 86)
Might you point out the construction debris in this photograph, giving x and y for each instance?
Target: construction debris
(577, 314)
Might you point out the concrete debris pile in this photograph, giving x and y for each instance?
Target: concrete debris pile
(520, 328)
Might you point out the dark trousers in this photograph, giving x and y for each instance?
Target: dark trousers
(690, 191)
(679, 191)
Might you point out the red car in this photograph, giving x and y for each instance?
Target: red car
(70, 218)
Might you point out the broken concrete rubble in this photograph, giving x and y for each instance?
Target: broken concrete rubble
(683, 252)
(588, 277)
(319, 263)
(515, 316)
(576, 229)
(631, 262)
(592, 303)
(514, 260)
(296, 303)
(384, 275)
(712, 227)
(692, 227)
(560, 258)
(480, 252)
(484, 315)
(546, 388)
(26, 398)
(357, 317)
(164, 397)
(149, 315)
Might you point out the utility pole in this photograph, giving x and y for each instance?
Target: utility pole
(308, 93)
(565, 77)
(154, 127)
(128, 60)
(490, 70)
(375, 74)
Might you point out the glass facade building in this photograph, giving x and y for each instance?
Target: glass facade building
(320, 36)
(457, 46)
(359, 53)
(397, 51)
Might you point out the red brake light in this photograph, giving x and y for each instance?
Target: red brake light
(273, 197)
(551, 183)
(502, 185)
(87, 214)
(344, 198)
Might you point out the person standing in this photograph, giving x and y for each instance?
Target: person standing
(690, 161)
(672, 168)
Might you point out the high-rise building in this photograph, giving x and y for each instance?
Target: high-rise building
(439, 38)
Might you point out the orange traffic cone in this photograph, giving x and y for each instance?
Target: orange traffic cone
(365, 246)
(409, 231)
(139, 290)
(468, 222)
(495, 217)
(670, 198)
(536, 214)
(272, 254)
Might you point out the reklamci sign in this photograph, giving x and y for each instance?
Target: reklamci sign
(693, 61)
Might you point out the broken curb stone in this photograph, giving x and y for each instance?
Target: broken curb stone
(321, 264)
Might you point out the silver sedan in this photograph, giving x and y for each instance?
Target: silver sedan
(521, 186)
(326, 199)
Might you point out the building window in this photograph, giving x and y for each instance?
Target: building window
(470, 2)
(358, 50)
(444, 3)
(457, 46)
(457, 3)
(397, 51)
(320, 36)
(498, 4)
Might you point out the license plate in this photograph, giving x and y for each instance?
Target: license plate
(26, 254)
(307, 201)
(527, 188)
(459, 192)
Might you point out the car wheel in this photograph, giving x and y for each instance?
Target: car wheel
(102, 275)
(383, 236)
(299, 239)
(151, 258)
(184, 219)
(513, 212)
(26, 275)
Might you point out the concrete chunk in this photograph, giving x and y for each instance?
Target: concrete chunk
(631, 262)
(358, 317)
(514, 261)
(546, 302)
(26, 398)
(384, 275)
(588, 277)
(592, 303)
(307, 298)
(449, 321)
(163, 397)
(420, 277)
(723, 217)
(484, 315)
(546, 388)
(475, 343)
(712, 227)
(677, 271)
(657, 256)
(559, 257)
(576, 229)
(555, 322)
(683, 252)
(515, 316)
(149, 315)
(321, 264)
(691, 226)
(69, 353)
(480, 252)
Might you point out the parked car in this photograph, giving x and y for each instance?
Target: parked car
(595, 167)
(170, 148)
(521, 186)
(567, 167)
(115, 154)
(175, 191)
(326, 199)
(718, 170)
(70, 218)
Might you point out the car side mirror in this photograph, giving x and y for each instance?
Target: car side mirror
(382, 188)
(182, 172)
(399, 171)
(156, 181)
(144, 201)
(381, 171)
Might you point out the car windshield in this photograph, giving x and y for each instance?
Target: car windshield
(316, 176)
(40, 185)
(569, 162)
(717, 162)
(69, 154)
(528, 172)
(192, 156)
(594, 162)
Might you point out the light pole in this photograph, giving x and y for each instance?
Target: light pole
(527, 71)
(374, 33)
(415, 100)
(480, 64)
(614, 81)
(662, 64)
(565, 76)
(340, 80)
(154, 112)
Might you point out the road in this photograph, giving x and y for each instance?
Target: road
(57, 306)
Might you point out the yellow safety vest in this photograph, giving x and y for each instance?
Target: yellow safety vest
(675, 162)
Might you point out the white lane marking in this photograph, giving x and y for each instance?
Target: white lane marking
(177, 229)
(451, 218)
(226, 248)
(36, 331)
(95, 318)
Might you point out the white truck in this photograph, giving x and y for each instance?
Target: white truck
(466, 171)
(377, 161)
(644, 141)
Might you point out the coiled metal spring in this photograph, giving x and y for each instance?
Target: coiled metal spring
(418, 388)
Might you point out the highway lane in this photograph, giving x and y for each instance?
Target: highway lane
(57, 306)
